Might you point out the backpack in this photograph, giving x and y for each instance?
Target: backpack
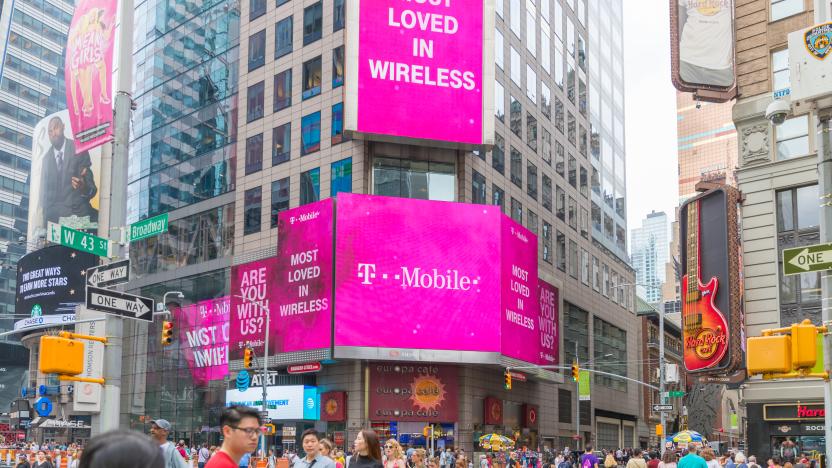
(586, 462)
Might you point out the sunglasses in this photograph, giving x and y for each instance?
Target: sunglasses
(388, 446)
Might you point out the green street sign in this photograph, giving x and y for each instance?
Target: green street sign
(804, 259)
(149, 227)
(78, 240)
(675, 393)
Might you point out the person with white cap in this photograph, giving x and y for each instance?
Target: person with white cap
(159, 431)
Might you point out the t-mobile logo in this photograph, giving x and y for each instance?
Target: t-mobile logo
(417, 278)
(366, 271)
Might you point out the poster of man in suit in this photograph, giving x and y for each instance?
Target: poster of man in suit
(63, 183)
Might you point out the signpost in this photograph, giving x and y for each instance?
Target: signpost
(662, 408)
(111, 274)
(149, 227)
(121, 304)
(798, 260)
(78, 240)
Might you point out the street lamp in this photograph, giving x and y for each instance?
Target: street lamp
(162, 307)
(264, 380)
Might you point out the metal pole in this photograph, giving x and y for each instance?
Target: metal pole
(265, 372)
(662, 396)
(825, 179)
(578, 399)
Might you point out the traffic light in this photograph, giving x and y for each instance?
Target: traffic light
(508, 380)
(785, 352)
(659, 430)
(60, 355)
(167, 332)
(248, 355)
(269, 429)
(576, 371)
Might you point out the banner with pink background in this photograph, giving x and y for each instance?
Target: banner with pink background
(88, 71)
(251, 285)
(203, 338)
(520, 305)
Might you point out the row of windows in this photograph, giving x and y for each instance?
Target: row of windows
(310, 191)
(312, 16)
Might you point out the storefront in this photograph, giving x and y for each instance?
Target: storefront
(787, 430)
(334, 418)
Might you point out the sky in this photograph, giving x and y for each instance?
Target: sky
(650, 112)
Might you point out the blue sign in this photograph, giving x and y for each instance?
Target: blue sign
(43, 407)
(49, 390)
(243, 380)
(311, 403)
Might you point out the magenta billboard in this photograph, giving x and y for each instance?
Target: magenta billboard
(203, 338)
(250, 299)
(548, 324)
(519, 302)
(431, 58)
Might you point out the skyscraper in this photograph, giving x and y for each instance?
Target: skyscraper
(650, 253)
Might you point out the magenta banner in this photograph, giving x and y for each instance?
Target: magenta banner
(250, 297)
(548, 324)
(203, 338)
(427, 58)
(417, 274)
(88, 71)
(520, 305)
(302, 292)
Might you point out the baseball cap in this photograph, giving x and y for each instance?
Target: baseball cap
(163, 424)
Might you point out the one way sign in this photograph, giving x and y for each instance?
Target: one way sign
(118, 303)
(111, 274)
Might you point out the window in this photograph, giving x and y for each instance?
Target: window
(337, 66)
(254, 153)
(281, 144)
(516, 211)
(546, 145)
(784, 8)
(515, 67)
(605, 283)
(516, 168)
(573, 168)
(256, 9)
(283, 37)
(545, 101)
(558, 20)
(559, 115)
(584, 223)
(531, 221)
(780, 70)
(281, 2)
(798, 225)
(516, 118)
(547, 242)
(571, 128)
(564, 396)
(584, 182)
(255, 102)
(341, 179)
(310, 186)
(560, 251)
(338, 124)
(793, 137)
(424, 180)
(514, 16)
(252, 201)
(582, 97)
(256, 50)
(477, 188)
(531, 84)
(531, 180)
(596, 274)
(338, 15)
(499, 102)
(283, 90)
(310, 133)
(313, 23)
(280, 198)
(498, 156)
(498, 198)
(545, 50)
(582, 140)
(498, 6)
(610, 355)
(572, 213)
(584, 267)
(560, 159)
(547, 192)
(560, 204)
(531, 31)
(531, 131)
(311, 78)
(499, 46)
(570, 36)
(559, 64)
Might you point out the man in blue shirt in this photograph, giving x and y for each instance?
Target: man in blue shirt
(692, 459)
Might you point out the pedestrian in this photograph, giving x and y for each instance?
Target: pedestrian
(182, 449)
(326, 450)
(588, 459)
(240, 427)
(203, 455)
(610, 461)
(692, 459)
(121, 449)
(637, 460)
(710, 458)
(367, 451)
(419, 458)
(433, 462)
(752, 462)
(42, 461)
(654, 460)
(22, 462)
(159, 430)
(393, 455)
(668, 459)
(739, 459)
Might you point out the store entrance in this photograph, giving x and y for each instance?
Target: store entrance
(412, 434)
(793, 448)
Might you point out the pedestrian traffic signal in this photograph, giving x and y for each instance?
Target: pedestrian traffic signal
(269, 429)
(785, 352)
(167, 333)
(576, 372)
(508, 380)
(248, 355)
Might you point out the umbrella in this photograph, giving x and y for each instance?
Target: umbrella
(495, 442)
(687, 437)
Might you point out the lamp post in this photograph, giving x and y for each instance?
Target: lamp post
(578, 391)
(264, 381)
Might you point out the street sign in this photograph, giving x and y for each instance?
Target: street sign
(264, 415)
(111, 274)
(304, 368)
(149, 227)
(675, 393)
(803, 259)
(662, 408)
(78, 240)
(118, 303)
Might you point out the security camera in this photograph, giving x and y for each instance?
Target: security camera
(777, 111)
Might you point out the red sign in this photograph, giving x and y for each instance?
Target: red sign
(334, 407)
(304, 368)
(518, 376)
(413, 392)
(493, 411)
(530, 416)
(338, 438)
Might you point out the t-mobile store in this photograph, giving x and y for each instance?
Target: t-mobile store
(789, 430)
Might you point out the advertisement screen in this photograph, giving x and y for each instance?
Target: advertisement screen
(416, 69)
(51, 281)
(413, 392)
(283, 403)
(250, 299)
(416, 273)
(203, 338)
(520, 304)
(548, 324)
(703, 49)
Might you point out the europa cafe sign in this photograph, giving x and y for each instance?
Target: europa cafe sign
(413, 392)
